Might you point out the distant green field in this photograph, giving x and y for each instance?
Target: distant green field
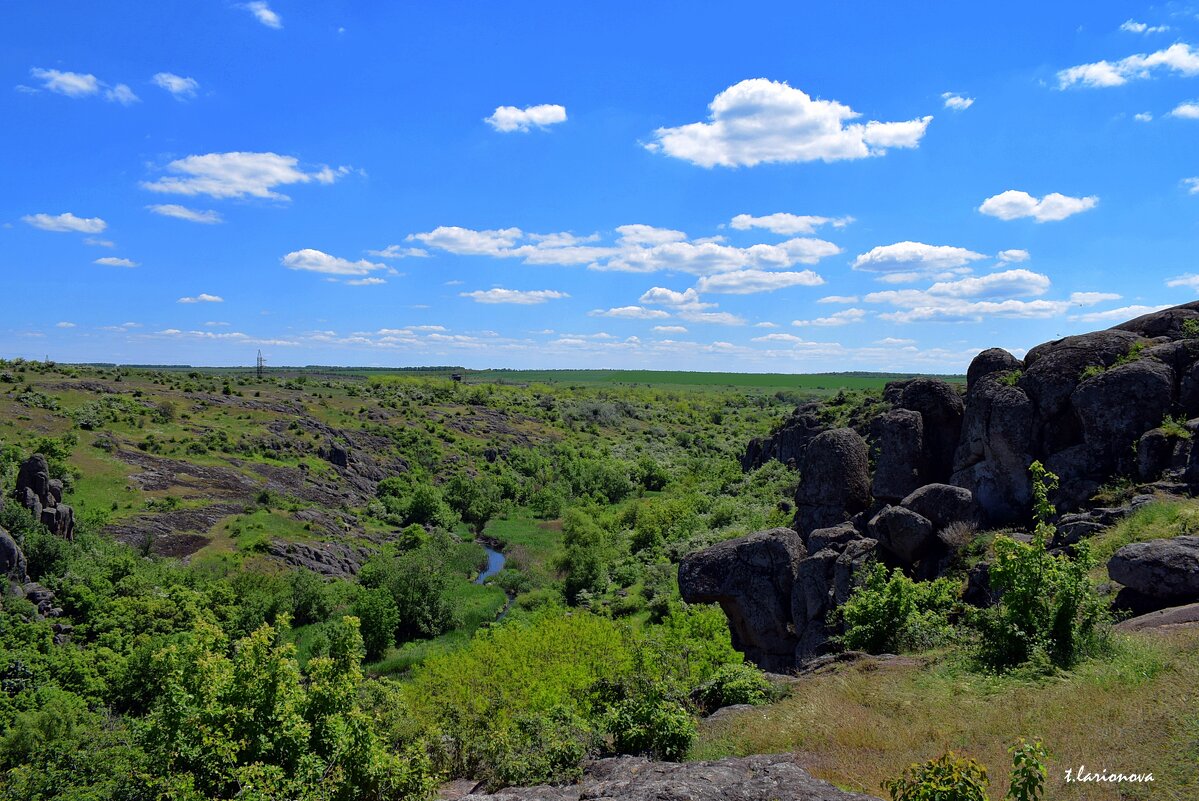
(767, 382)
(815, 383)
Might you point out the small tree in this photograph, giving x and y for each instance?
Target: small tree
(1048, 608)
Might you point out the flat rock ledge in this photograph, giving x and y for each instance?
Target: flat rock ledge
(774, 777)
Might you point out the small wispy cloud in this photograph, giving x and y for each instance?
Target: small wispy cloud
(203, 297)
(263, 13)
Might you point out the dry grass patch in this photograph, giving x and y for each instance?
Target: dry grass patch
(1137, 712)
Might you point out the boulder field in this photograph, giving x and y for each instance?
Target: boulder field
(910, 484)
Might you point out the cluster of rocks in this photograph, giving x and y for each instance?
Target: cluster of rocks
(1157, 574)
(14, 581)
(42, 496)
(910, 484)
(753, 778)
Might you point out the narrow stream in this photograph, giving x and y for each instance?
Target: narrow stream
(495, 563)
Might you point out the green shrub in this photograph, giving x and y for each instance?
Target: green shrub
(1176, 427)
(1028, 770)
(1011, 378)
(1048, 610)
(644, 719)
(947, 778)
(733, 684)
(890, 612)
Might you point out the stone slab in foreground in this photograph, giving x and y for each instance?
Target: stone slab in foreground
(774, 777)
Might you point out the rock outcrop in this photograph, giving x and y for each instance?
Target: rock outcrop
(12, 559)
(834, 480)
(754, 778)
(789, 442)
(1161, 573)
(752, 579)
(938, 461)
(42, 496)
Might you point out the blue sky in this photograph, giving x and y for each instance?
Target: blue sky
(791, 187)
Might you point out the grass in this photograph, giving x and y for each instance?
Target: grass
(530, 545)
(858, 726)
(1160, 520)
(817, 383)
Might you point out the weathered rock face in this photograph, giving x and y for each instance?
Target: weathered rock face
(42, 496)
(824, 582)
(943, 505)
(941, 408)
(1162, 453)
(752, 579)
(12, 559)
(1089, 407)
(1166, 570)
(789, 442)
(834, 480)
(755, 778)
(996, 448)
(902, 533)
(989, 362)
(897, 444)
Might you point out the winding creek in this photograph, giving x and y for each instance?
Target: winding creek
(495, 563)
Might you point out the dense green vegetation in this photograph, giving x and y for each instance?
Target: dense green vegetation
(165, 675)
(195, 658)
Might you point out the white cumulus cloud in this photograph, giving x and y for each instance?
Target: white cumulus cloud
(203, 297)
(1179, 58)
(317, 261)
(516, 296)
(206, 217)
(1132, 26)
(844, 317)
(787, 224)
(761, 121)
(1186, 111)
(66, 222)
(121, 94)
(238, 174)
(671, 329)
(263, 13)
(630, 313)
(956, 102)
(507, 119)
(1192, 185)
(746, 282)
(1014, 204)
(71, 84)
(1013, 256)
(973, 299)
(1121, 314)
(113, 261)
(1188, 281)
(177, 85)
(913, 259)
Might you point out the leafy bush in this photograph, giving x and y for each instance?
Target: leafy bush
(947, 778)
(733, 684)
(954, 778)
(644, 719)
(890, 612)
(1048, 609)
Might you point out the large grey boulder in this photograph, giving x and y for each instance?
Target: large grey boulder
(996, 449)
(943, 504)
(989, 362)
(824, 582)
(42, 496)
(12, 559)
(1052, 370)
(1167, 322)
(904, 534)
(752, 579)
(789, 442)
(774, 777)
(1166, 569)
(1119, 405)
(834, 480)
(1160, 451)
(941, 409)
(897, 444)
